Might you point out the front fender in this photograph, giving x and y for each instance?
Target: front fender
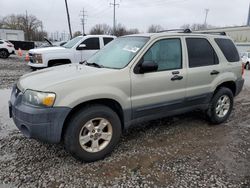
(82, 95)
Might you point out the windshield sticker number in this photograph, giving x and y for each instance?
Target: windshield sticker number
(131, 49)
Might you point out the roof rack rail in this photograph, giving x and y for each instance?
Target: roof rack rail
(177, 30)
(212, 32)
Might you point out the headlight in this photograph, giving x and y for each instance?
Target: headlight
(38, 58)
(40, 99)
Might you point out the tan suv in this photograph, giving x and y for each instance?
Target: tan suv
(133, 79)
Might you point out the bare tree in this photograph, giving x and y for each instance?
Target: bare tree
(28, 23)
(100, 29)
(154, 28)
(106, 29)
(197, 27)
(133, 31)
(77, 33)
(1, 23)
(120, 30)
(12, 22)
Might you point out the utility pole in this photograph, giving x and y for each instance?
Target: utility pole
(248, 19)
(114, 25)
(205, 22)
(83, 15)
(70, 32)
(27, 26)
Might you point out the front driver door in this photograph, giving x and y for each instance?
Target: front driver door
(156, 93)
(92, 46)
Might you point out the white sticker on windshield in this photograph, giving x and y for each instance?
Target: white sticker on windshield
(131, 49)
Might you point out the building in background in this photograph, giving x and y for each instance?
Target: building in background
(243, 46)
(237, 33)
(240, 35)
(10, 34)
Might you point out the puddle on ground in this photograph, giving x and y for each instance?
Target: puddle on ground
(6, 124)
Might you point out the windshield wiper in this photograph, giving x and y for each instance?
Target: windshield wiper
(94, 65)
(82, 62)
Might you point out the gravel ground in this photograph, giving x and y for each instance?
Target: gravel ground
(182, 151)
(11, 69)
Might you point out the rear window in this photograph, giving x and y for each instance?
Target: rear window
(228, 49)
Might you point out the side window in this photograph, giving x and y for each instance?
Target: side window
(166, 53)
(92, 44)
(106, 40)
(228, 49)
(1, 42)
(200, 53)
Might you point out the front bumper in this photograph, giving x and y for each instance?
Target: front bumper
(239, 86)
(36, 65)
(43, 124)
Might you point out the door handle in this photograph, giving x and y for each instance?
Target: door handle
(176, 77)
(175, 72)
(214, 72)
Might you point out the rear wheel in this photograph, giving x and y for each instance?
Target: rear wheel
(221, 106)
(92, 133)
(4, 54)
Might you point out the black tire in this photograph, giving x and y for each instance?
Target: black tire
(4, 54)
(33, 68)
(56, 64)
(77, 122)
(211, 113)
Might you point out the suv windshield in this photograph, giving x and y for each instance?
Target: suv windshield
(118, 53)
(72, 42)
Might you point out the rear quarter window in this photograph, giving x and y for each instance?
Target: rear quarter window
(107, 40)
(228, 49)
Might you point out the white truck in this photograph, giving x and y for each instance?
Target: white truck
(74, 51)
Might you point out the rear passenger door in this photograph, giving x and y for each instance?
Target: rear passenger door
(203, 69)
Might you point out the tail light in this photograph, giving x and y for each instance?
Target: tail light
(9, 45)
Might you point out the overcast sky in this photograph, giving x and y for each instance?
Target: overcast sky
(131, 13)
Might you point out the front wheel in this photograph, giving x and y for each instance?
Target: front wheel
(92, 133)
(221, 106)
(4, 54)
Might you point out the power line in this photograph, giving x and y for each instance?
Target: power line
(114, 4)
(83, 19)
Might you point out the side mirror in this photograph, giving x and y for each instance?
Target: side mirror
(81, 47)
(148, 66)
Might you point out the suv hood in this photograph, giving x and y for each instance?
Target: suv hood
(46, 79)
(48, 50)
